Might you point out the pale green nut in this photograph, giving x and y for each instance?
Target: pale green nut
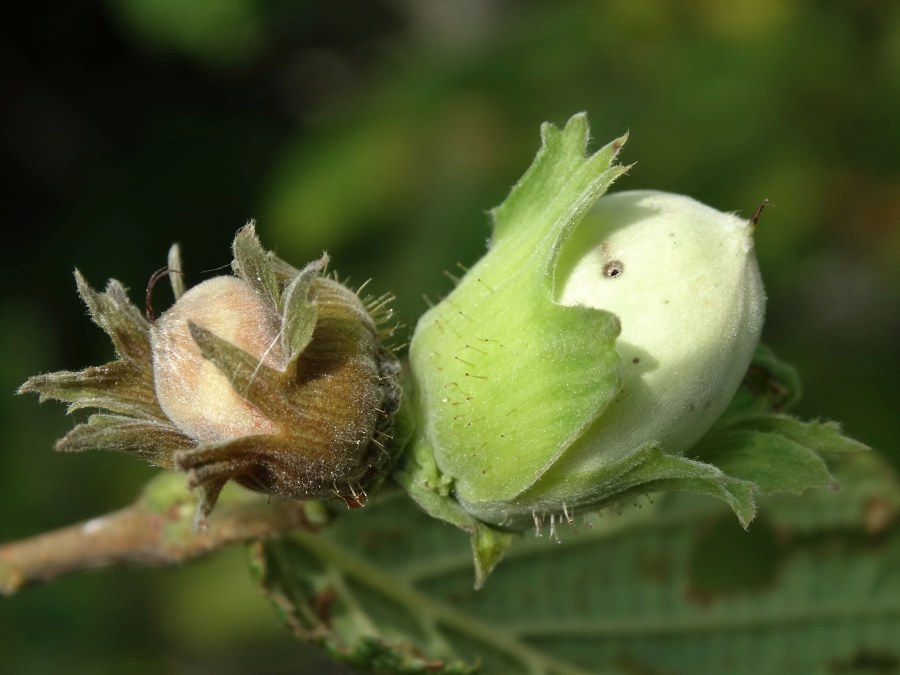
(586, 352)
(683, 280)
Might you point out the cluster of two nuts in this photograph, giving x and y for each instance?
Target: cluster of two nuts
(573, 364)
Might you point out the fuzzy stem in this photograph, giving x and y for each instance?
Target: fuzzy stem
(155, 530)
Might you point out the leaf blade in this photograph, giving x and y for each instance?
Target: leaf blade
(627, 595)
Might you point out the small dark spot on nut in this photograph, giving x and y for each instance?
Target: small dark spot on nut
(636, 359)
(613, 269)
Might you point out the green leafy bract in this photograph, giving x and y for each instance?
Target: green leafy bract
(502, 343)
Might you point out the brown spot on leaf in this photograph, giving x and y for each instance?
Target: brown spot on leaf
(878, 514)
(655, 567)
(631, 665)
(322, 604)
(867, 661)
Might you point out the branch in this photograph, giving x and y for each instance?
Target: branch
(155, 530)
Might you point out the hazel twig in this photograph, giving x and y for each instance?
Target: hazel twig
(155, 530)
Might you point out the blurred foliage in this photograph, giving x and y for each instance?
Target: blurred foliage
(383, 131)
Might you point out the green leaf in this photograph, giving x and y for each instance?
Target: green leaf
(776, 452)
(823, 437)
(677, 588)
(774, 462)
(868, 499)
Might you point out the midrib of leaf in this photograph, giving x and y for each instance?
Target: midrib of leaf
(431, 613)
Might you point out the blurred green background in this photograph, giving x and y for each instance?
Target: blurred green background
(382, 131)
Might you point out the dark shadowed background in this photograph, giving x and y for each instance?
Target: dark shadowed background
(383, 131)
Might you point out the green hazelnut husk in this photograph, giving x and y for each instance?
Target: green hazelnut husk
(592, 355)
